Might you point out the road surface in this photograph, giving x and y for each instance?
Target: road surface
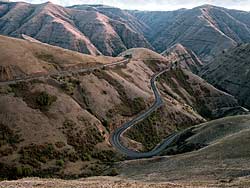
(115, 139)
(116, 136)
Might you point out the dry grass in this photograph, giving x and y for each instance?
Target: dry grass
(20, 58)
(225, 159)
(95, 182)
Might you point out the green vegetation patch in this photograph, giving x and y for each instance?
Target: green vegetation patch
(34, 154)
(146, 132)
(179, 75)
(50, 58)
(83, 142)
(37, 100)
(181, 145)
(69, 84)
(44, 100)
(8, 136)
(107, 156)
(14, 172)
(113, 172)
(199, 92)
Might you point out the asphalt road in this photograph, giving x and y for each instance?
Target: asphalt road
(115, 139)
(116, 136)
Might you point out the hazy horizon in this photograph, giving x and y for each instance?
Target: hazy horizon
(154, 5)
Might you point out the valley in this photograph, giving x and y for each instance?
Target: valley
(154, 98)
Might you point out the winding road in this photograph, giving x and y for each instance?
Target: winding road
(116, 136)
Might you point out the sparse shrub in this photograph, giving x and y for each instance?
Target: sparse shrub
(145, 132)
(24, 171)
(5, 89)
(69, 84)
(138, 104)
(86, 157)
(7, 151)
(45, 56)
(8, 136)
(68, 88)
(20, 88)
(82, 142)
(73, 157)
(69, 124)
(44, 100)
(104, 155)
(113, 172)
(60, 163)
(128, 107)
(34, 154)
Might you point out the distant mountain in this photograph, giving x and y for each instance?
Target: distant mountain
(86, 31)
(231, 72)
(117, 14)
(206, 30)
(97, 29)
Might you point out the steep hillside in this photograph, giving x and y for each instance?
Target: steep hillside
(183, 57)
(206, 30)
(20, 59)
(192, 90)
(230, 72)
(156, 21)
(182, 90)
(96, 29)
(116, 14)
(223, 160)
(81, 30)
(71, 116)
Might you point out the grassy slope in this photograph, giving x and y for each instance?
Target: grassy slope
(69, 134)
(21, 58)
(226, 158)
(69, 118)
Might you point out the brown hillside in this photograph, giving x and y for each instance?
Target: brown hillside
(60, 126)
(183, 57)
(223, 160)
(230, 72)
(20, 58)
(84, 31)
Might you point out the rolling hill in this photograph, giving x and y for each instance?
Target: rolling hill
(60, 125)
(217, 157)
(34, 59)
